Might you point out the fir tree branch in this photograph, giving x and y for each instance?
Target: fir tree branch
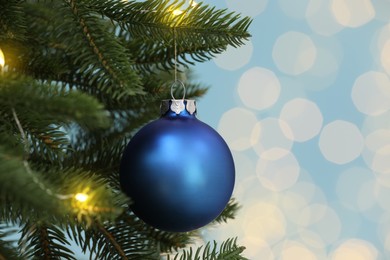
(229, 250)
(48, 146)
(112, 241)
(162, 240)
(148, 28)
(228, 213)
(154, 18)
(7, 249)
(45, 242)
(46, 250)
(60, 50)
(39, 105)
(12, 30)
(92, 42)
(21, 192)
(94, 30)
(12, 22)
(149, 55)
(99, 159)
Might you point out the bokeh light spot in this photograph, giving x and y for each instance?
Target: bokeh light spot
(244, 165)
(380, 45)
(294, 251)
(366, 199)
(250, 8)
(385, 56)
(272, 138)
(304, 118)
(341, 142)
(355, 249)
(257, 248)
(259, 88)
(280, 174)
(321, 19)
(264, 221)
(236, 127)
(376, 154)
(312, 239)
(323, 221)
(353, 13)
(326, 65)
(371, 93)
(294, 9)
(381, 160)
(351, 185)
(382, 194)
(298, 197)
(234, 58)
(294, 53)
(381, 10)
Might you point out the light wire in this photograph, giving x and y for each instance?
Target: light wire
(27, 166)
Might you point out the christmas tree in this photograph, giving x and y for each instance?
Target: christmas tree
(76, 76)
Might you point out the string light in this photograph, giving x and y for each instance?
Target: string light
(2, 59)
(193, 4)
(177, 12)
(78, 200)
(81, 197)
(27, 166)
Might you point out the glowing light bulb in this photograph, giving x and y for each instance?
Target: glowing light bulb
(81, 197)
(2, 59)
(193, 3)
(177, 12)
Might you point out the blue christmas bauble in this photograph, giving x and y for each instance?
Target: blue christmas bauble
(177, 170)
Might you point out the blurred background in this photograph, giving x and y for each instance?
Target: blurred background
(304, 107)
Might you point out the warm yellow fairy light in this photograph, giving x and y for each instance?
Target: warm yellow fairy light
(193, 4)
(2, 59)
(81, 197)
(177, 12)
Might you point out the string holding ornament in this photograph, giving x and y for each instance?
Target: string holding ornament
(176, 80)
(177, 105)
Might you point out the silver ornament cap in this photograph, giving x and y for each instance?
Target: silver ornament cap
(178, 106)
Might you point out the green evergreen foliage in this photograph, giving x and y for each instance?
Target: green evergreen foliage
(7, 250)
(80, 78)
(227, 251)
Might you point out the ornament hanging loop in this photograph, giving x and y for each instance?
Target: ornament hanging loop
(176, 81)
(175, 84)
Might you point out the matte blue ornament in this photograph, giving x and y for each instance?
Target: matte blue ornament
(177, 170)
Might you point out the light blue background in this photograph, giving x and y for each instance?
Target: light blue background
(324, 192)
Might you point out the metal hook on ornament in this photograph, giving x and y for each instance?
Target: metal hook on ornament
(177, 105)
(174, 85)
